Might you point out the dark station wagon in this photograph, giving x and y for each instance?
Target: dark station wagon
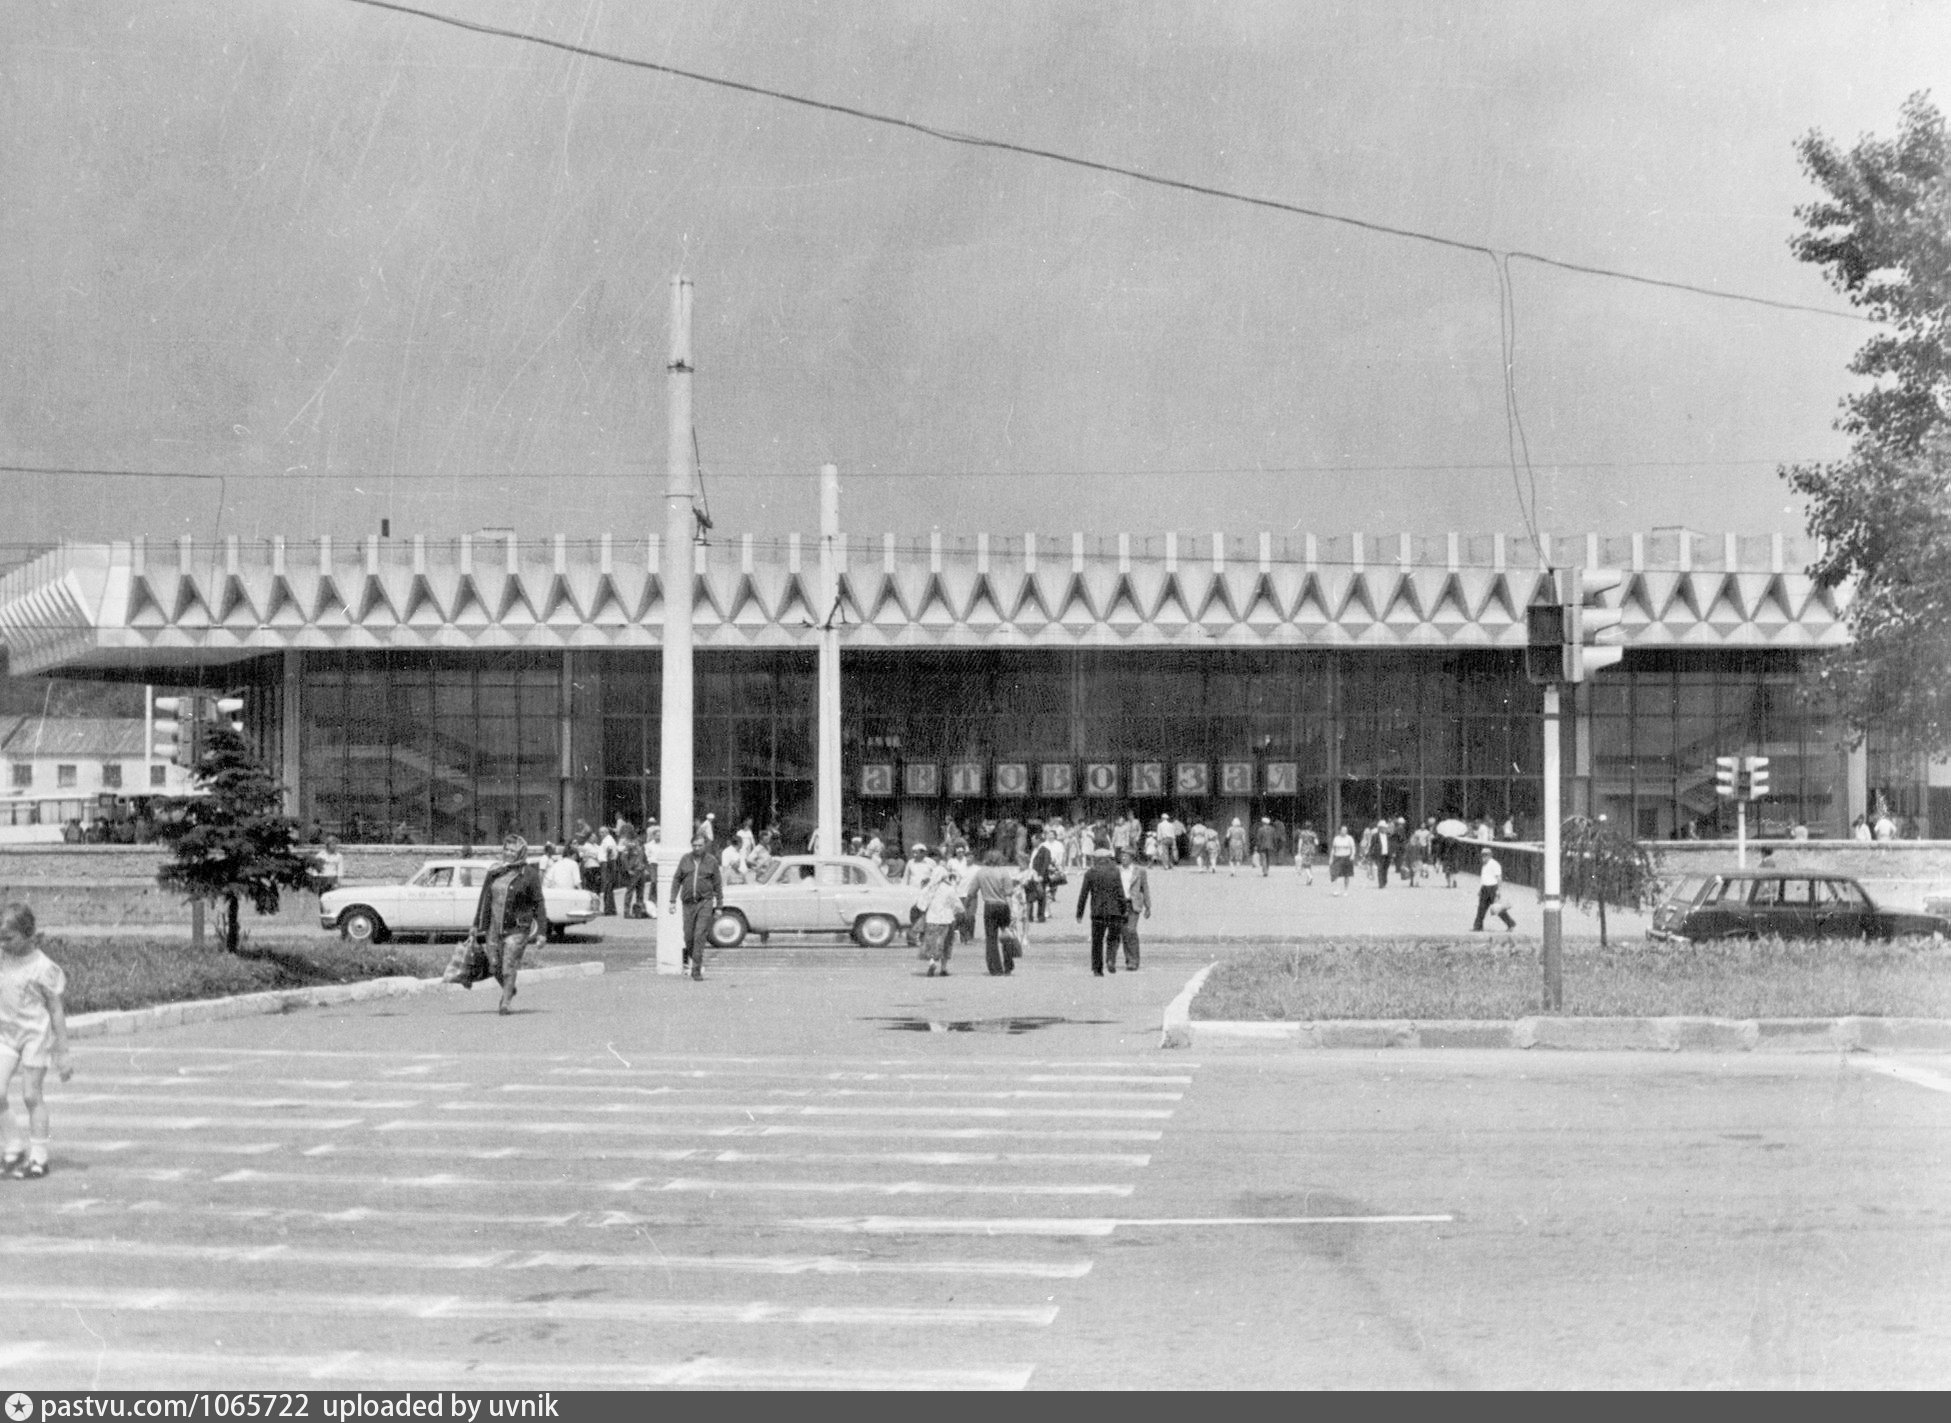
(1783, 904)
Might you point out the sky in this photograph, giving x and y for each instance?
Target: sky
(349, 265)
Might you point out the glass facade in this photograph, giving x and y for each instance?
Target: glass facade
(459, 747)
(1660, 721)
(429, 746)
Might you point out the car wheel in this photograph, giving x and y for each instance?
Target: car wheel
(727, 929)
(875, 931)
(361, 926)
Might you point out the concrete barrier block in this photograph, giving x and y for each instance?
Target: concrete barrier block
(1467, 1035)
(1357, 1034)
(1902, 1034)
(1714, 1034)
(1603, 1034)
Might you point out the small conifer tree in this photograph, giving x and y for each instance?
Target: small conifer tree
(235, 842)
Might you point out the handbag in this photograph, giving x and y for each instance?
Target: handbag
(1010, 942)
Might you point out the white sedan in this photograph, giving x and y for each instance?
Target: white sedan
(815, 894)
(438, 901)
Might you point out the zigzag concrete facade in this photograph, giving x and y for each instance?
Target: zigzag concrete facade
(1314, 677)
(140, 604)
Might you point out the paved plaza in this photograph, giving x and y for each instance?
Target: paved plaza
(818, 1169)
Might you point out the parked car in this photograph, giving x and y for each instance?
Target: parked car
(1783, 904)
(438, 901)
(815, 894)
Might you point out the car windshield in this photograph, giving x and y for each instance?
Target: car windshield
(435, 877)
(790, 872)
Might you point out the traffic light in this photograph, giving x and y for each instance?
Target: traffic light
(1727, 776)
(230, 711)
(1569, 639)
(1544, 643)
(1756, 778)
(172, 731)
(1592, 637)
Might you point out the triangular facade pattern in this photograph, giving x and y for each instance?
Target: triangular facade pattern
(128, 604)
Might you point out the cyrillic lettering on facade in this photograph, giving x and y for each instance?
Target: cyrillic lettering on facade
(1012, 778)
(877, 778)
(921, 779)
(965, 778)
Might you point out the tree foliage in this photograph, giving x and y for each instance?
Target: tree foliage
(1882, 515)
(234, 843)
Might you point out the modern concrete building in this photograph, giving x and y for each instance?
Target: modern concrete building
(462, 687)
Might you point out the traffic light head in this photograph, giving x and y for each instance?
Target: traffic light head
(169, 735)
(1756, 777)
(1592, 640)
(1544, 643)
(230, 711)
(1727, 776)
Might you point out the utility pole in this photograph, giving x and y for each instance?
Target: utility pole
(674, 787)
(827, 788)
(1553, 909)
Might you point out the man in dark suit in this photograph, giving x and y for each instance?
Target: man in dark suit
(1103, 892)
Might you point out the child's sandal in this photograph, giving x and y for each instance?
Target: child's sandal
(32, 1171)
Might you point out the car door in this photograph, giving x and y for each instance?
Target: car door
(463, 895)
(788, 901)
(1842, 910)
(1798, 909)
(1765, 917)
(844, 894)
(425, 902)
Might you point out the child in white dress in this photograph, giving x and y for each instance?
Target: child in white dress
(33, 1033)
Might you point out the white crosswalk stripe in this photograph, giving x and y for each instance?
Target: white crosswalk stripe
(156, 1369)
(551, 1201)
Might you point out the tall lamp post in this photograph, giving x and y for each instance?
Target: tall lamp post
(674, 787)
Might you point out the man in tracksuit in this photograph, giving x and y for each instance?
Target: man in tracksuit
(700, 885)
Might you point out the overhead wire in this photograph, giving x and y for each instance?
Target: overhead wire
(1140, 175)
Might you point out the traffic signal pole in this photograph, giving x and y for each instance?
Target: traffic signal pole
(1553, 916)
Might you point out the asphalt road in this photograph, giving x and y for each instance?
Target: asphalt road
(812, 1171)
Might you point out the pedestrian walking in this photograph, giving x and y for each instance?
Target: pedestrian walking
(328, 867)
(1137, 886)
(509, 915)
(33, 1037)
(1415, 855)
(1378, 849)
(991, 889)
(699, 887)
(1103, 895)
(1306, 846)
(1341, 861)
(1264, 841)
(916, 875)
(1490, 893)
(941, 903)
(1235, 846)
(635, 864)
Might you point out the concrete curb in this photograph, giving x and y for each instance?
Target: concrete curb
(1764, 1035)
(1176, 1030)
(116, 1022)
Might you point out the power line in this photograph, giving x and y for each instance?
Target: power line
(753, 472)
(1093, 165)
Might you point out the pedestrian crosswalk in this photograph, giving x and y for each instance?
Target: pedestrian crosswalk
(253, 1218)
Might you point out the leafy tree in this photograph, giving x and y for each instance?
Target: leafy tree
(1882, 515)
(236, 842)
(1598, 866)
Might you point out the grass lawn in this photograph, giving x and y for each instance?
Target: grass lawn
(136, 971)
(1474, 979)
